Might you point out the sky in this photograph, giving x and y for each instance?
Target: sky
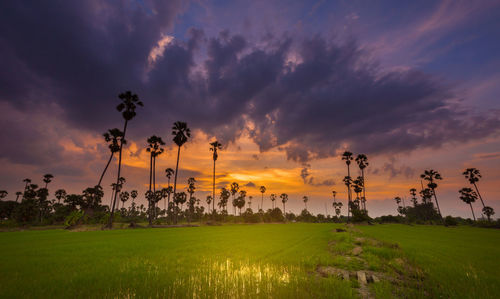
(285, 86)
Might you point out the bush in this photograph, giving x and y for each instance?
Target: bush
(73, 218)
(450, 221)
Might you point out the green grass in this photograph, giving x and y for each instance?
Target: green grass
(248, 261)
(458, 262)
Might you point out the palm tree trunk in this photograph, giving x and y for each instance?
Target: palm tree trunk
(480, 197)
(213, 192)
(262, 202)
(175, 178)
(348, 193)
(474, 216)
(150, 183)
(364, 187)
(110, 223)
(105, 169)
(437, 204)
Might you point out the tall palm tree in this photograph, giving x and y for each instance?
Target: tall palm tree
(181, 134)
(305, 199)
(431, 176)
(124, 196)
(214, 147)
(155, 149)
(284, 199)
(262, 190)
(347, 157)
(488, 211)
(473, 175)
(468, 196)
(362, 161)
(113, 137)
(128, 105)
(47, 178)
(234, 189)
(209, 201)
(60, 194)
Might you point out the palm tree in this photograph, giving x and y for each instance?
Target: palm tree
(27, 181)
(129, 103)
(113, 137)
(431, 176)
(240, 202)
(306, 199)
(468, 196)
(347, 157)
(337, 206)
(164, 194)
(60, 194)
(413, 193)
(224, 196)
(473, 175)
(181, 134)
(124, 196)
(209, 201)
(488, 211)
(168, 173)
(155, 149)
(284, 199)
(334, 193)
(273, 198)
(262, 190)
(47, 178)
(234, 189)
(362, 161)
(250, 201)
(191, 187)
(18, 193)
(398, 202)
(3, 194)
(215, 146)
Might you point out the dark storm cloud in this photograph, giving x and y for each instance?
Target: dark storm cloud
(307, 97)
(308, 179)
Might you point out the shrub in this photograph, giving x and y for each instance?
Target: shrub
(450, 221)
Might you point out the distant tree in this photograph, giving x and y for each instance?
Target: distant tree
(250, 202)
(473, 175)
(413, 193)
(27, 182)
(214, 147)
(273, 198)
(431, 176)
(209, 201)
(224, 197)
(124, 196)
(47, 178)
(262, 190)
(155, 149)
(398, 202)
(362, 161)
(305, 199)
(488, 211)
(179, 199)
(234, 189)
(133, 194)
(60, 194)
(3, 194)
(168, 173)
(127, 107)
(468, 196)
(113, 137)
(181, 134)
(347, 157)
(337, 206)
(284, 199)
(191, 188)
(334, 193)
(18, 193)
(240, 201)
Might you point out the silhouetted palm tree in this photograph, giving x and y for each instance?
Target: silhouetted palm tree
(113, 137)
(129, 103)
(234, 189)
(224, 196)
(133, 194)
(473, 175)
(18, 193)
(334, 193)
(347, 157)
(305, 199)
(488, 211)
(181, 134)
(155, 149)
(468, 196)
(337, 206)
(431, 176)
(262, 190)
(60, 194)
(413, 193)
(124, 196)
(3, 194)
(273, 198)
(47, 179)
(209, 201)
(362, 161)
(398, 202)
(214, 147)
(27, 182)
(284, 199)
